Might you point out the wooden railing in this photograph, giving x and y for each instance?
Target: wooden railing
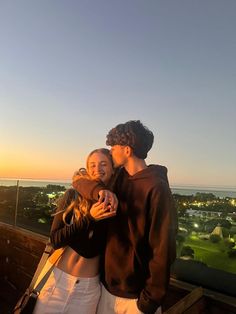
(20, 252)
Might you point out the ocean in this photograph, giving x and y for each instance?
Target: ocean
(37, 183)
(219, 191)
(182, 190)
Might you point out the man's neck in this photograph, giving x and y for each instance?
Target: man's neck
(135, 165)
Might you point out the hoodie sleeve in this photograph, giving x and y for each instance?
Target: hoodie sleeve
(162, 245)
(61, 234)
(89, 189)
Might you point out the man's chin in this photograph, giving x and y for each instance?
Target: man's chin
(116, 165)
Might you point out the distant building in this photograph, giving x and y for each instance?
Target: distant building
(202, 213)
(218, 231)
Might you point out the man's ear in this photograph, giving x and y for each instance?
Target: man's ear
(128, 151)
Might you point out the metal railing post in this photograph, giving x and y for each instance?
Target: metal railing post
(17, 199)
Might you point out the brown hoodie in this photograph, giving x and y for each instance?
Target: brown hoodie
(141, 238)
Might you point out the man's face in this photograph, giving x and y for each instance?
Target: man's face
(118, 155)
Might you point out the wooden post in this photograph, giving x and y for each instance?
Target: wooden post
(186, 302)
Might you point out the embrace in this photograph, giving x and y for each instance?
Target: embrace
(115, 231)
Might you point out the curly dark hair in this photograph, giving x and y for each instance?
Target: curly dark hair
(134, 134)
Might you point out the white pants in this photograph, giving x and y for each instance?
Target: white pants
(64, 293)
(111, 304)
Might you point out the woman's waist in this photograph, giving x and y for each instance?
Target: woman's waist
(76, 265)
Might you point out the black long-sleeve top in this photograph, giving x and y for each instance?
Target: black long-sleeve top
(85, 235)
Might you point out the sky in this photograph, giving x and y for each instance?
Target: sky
(72, 70)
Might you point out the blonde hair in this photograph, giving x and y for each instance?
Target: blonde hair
(72, 203)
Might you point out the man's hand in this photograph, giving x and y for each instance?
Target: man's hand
(108, 199)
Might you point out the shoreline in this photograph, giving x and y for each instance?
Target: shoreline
(220, 191)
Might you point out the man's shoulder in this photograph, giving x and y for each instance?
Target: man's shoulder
(157, 167)
(159, 172)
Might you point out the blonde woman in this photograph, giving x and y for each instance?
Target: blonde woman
(80, 228)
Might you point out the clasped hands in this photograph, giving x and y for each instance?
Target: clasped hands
(105, 207)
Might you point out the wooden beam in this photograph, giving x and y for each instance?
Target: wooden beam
(186, 302)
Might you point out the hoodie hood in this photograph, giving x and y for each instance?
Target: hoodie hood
(155, 171)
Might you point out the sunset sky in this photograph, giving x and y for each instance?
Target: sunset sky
(72, 70)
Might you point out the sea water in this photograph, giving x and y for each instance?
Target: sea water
(182, 190)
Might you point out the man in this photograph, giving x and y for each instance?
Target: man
(141, 238)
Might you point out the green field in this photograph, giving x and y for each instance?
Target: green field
(212, 254)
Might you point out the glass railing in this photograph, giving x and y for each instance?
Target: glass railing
(206, 250)
(207, 227)
(207, 223)
(29, 204)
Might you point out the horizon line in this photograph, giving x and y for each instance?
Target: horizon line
(173, 185)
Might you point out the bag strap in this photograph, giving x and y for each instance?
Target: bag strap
(41, 264)
(41, 283)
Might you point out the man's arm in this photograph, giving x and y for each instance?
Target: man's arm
(162, 242)
(96, 191)
(89, 189)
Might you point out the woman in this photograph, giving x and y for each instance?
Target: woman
(79, 227)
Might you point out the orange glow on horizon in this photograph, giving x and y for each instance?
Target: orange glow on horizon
(35, 168)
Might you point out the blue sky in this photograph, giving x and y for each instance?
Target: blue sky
(72, 70)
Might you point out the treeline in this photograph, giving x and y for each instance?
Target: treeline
(204, 202)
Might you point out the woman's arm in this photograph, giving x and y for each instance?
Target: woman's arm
(62, 234)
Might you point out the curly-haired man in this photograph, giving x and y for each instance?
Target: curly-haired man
(141, 238)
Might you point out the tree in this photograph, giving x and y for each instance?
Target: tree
(231, 253)
(187, 251)
(225, 232)
(203, 197)
(215, 238)
(229, 243)
(211, 224)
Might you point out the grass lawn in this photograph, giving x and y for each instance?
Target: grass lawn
(212, 254)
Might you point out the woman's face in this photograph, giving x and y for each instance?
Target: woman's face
(100, 167)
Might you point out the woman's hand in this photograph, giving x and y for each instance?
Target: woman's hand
(108, 198)
(99, 211)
